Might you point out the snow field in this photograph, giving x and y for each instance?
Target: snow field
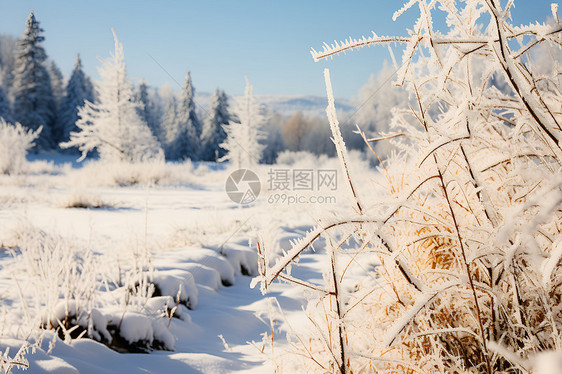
(178, 238)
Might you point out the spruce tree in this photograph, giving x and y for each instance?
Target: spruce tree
(148, 109)
(57, 85)
(169, 124)
(57, 81)
(34, 103)
(79, 89)
(186, 141)
(213, 133)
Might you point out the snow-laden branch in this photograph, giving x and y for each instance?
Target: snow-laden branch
(421, 302)
(338, 139)
(350, 44)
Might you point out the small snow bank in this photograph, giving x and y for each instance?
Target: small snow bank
(197, 261)
(242, 259)
(138, 333)
(178, 284)
(138, 330)
(135, 327)
(131, 331)
(54, 365)
(204, 275)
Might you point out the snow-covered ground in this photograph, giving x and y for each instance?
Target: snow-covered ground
(189, 233)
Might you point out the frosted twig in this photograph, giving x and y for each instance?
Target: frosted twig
(338, 139)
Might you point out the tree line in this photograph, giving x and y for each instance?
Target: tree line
(34, 92)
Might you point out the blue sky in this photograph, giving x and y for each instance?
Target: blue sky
(221, 41)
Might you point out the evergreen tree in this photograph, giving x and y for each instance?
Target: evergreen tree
(57, 81)
(34, 103)
(5, 110)
(169, 124)
(186, 141)
(57, 85)
(148, 110)
(213, 133)
(112, 125)
(243, 135)
(79, 89)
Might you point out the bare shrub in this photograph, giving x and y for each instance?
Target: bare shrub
(81, 198)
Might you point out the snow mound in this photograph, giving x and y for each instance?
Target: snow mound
(54, 365)
(204, 275)
(135, 332)
(176, 283)
(243, 260)
(136, 327)
(183, 257)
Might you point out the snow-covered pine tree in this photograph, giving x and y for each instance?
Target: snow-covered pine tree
(79, 89)
(243, 135)
(57, 81)
(112, 125)
(5, 110)
(148, 110)
(57, 85)
(186, 142)
(34, 103)
(168, 121)
(213, 133)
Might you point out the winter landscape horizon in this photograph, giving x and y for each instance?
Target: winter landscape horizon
(256, 187)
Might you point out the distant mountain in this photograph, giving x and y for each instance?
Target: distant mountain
(287, 105)
(310, 105)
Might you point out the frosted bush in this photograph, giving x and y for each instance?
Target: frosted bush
(15, 141)
(57, 270)
(61, 288)
(468, 232)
